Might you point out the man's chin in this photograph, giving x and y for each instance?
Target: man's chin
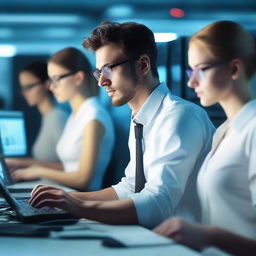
(118, 103)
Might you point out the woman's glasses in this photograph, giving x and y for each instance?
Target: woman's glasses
(199, 73)
(28, 87)
(56, 79)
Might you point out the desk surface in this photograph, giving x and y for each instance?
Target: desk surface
(53, 246)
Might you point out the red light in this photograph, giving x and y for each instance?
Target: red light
(177, 13)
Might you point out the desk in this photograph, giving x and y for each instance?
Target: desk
(50, 247)
(13, 246)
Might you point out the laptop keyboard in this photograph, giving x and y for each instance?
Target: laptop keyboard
(28, 210)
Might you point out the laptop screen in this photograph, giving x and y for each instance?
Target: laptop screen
(1, 171)
(13, 133)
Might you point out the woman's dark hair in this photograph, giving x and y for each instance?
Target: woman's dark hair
(74, 60)
(135, 40)
(38, 69)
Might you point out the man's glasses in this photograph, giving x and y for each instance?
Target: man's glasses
(107, 70)
(28, 87)
(56, 79)
(199, 73)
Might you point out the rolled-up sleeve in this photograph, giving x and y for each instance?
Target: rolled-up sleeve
(176, 156)
(126, 186)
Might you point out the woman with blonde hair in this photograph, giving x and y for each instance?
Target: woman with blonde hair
(86, 144)
(222, 57)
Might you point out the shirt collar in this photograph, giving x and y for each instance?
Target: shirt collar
(151, 105)
(244, 115)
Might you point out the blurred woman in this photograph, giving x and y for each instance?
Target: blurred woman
(85, 146)
(34, 87)
(222, 57)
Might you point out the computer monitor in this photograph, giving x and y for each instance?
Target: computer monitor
(12, 134)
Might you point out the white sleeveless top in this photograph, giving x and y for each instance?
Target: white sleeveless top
(69, 147)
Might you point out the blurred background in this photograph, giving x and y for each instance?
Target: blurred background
(32, 30)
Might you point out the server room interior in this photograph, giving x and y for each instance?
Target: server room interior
(33, 30)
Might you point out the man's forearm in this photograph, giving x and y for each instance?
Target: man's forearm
(121, 212)
(232, 243)
(101, 195)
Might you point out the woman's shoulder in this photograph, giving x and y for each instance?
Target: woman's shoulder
(92, 111)
(57, 113)
(96, 108)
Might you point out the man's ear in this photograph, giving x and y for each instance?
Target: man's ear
(144, 64)
(236, 67)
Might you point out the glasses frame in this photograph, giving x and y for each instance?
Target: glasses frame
(107, 69)
(56, 79)
(198, 73)
(29, 86)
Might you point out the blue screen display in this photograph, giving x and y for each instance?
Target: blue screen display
(13, 136)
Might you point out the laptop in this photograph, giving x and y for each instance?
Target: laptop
(24, 212)
(24, 186)
(13, 134)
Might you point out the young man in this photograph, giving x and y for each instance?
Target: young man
(176, 137)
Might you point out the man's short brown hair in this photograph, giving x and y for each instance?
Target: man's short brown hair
(135, 40)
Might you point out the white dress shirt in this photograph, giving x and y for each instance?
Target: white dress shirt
(227, 179)
(177, 136)
(70, 145)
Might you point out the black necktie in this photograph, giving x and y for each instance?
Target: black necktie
(140, 177)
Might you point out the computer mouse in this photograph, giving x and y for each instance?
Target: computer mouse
(111, 242)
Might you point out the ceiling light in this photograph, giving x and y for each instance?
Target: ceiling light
(7, 50)
(39, 18)
(165, 37)
(120, 11)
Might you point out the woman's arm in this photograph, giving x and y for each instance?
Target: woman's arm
(231, 243)
(78, 179)
(199, 237)
(15, 163)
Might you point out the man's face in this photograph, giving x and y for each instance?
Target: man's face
(121, 81)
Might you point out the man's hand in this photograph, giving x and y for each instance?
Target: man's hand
(50, 196)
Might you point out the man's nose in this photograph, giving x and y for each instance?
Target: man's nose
(103, 81)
